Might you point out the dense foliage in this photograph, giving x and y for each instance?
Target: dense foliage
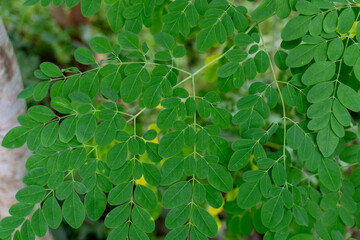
(281, 161)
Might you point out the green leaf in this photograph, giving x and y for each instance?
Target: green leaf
(165, 40)
(80, 97)
(341, 114)
(228, 69)
(243, 40)
(330, 175)
(26, 232)
(179, 51)
(240, 159)
(221, 117)
(128, 40)
(150, 135)
(95, 203)
(77, 158)
(335, 49)
(320, 109)
(318, 72)
(262, 62)
(178, 233)
(50, 69)
(289, 95)
(130, 88)
(272, 212)
(133, 146)
(55, 179)
(119, 233)
(249, 195)
(21, 209)
(320, 92)
(236, 55)
(172, 170)
(177, 216)
(62, 105)
(166, 118)
(100, 45)
(114, 16)
(71, 3)
(330, 21)
(346, 217)
(171, 144)
(133, 11)
(306, 8)
(73, 211)
(197, 235)
(37, 176)
(41, 90)
(296, 28)
(303, 236)
(137, 233)
(327, 141)
(301, 55)
(10, 223)
(280, 60)
(177, 195)
(351, 56)
(38, 223)
(27, 92)
(202, 140)
(31, 194)
(315, 26)
(104, 133)
(205, 39)
(120, 193)
(151, 174)
(90, 7)
(220, 147)
(85, 127)
(64, 190)
(84, 56)
(41, 113)
(58, 2)
(250, 69)
(49, 134)
(213, 197)
(89, 84)
(204, 222)
(67, 129)
(117, 216)
(142, 219)
(279, 174)
(265, 10)
(117, 155)
(145, 197)
(52, 212)
(348, 97)
(300, 215)
(203, 108)
(295, 136)
(15, 138)
(220, 178)
(152, 96)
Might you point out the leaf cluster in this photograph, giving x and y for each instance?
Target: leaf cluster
(290, 172)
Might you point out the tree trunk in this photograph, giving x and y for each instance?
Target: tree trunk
(12, 161)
